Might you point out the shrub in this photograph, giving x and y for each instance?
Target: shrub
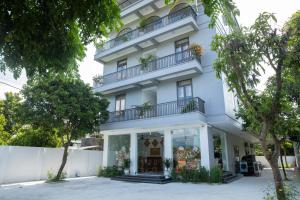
(109, 172)
(216, 175)
(51, 176)
(126, 163)
(167, 163)
(190, 175)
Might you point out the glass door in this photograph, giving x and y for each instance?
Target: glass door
(181, 47)
(184, 92)
(120, 105)
(150, 152)
(121, 69)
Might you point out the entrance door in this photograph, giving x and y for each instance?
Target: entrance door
(150, 152)
(220, 151)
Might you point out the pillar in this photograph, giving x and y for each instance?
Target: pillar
(206, 146)
(105, 150)
(133, 153)
(168, 150)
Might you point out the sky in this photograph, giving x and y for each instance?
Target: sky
(249, 10)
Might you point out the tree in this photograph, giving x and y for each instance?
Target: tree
(9, 108)
(66, 104)
(28, 136)
(242, 56)
(42, 36)
(4, 136)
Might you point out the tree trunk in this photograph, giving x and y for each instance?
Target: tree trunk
(64, 161)
(283, 168)
(272, 158)
(285, 159)
(277, 179)
(296, 153)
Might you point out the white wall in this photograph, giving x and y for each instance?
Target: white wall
(20, 164)
(290, 160)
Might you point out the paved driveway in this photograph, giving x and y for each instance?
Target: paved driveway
(104, 189)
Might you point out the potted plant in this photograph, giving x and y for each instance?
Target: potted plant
(141, 109)
(145, 61)
(167, 164)
(196, 50)
(189, 107)
(126, 166)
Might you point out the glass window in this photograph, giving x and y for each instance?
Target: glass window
(186, 148)
(118, 149)
(184, 92)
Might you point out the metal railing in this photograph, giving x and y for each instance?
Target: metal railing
(157, 24)
(125, 4)
(164, 109)
(154, 65)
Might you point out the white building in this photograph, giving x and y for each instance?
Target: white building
(165, 100)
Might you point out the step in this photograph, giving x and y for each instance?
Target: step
(143, 179)
(229, 179)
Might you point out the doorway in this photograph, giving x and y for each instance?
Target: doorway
(150, 152)
(220, 151)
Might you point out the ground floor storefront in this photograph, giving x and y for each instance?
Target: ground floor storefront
(190, 147)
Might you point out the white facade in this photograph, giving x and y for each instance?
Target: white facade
(149, 100)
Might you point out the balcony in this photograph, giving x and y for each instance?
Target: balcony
(177, 23)
(185, 63)
(132, 10)
(159, 110)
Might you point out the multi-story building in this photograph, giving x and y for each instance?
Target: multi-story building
(165, 99)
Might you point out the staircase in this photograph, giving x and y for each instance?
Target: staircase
(228, 177)
(155, 179)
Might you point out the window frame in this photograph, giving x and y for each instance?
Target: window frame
(184, 99)
(121, 72)
(119, 98)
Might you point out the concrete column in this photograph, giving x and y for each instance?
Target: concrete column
(133, 154)
(168, 152)
(206, 146)
(225, 155)
(105, 150)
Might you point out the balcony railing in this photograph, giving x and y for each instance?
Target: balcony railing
(164, 109)
(125, 4)
(157, 24)
(154, 65)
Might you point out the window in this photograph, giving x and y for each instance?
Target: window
(186, 148)
(181, 47)
(120, 104)
(118, 150)
(184, 92)
(121, 66)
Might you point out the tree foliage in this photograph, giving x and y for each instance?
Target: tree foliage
(42, 36)
(271, 114)
(28, 136)
(64, 103)
(9, 108)
(4, 136)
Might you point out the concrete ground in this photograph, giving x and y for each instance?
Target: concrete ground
(94, 188)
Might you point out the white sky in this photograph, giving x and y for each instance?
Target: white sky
(249, 11)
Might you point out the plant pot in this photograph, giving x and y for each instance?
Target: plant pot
(126, 171)
(167, 173)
